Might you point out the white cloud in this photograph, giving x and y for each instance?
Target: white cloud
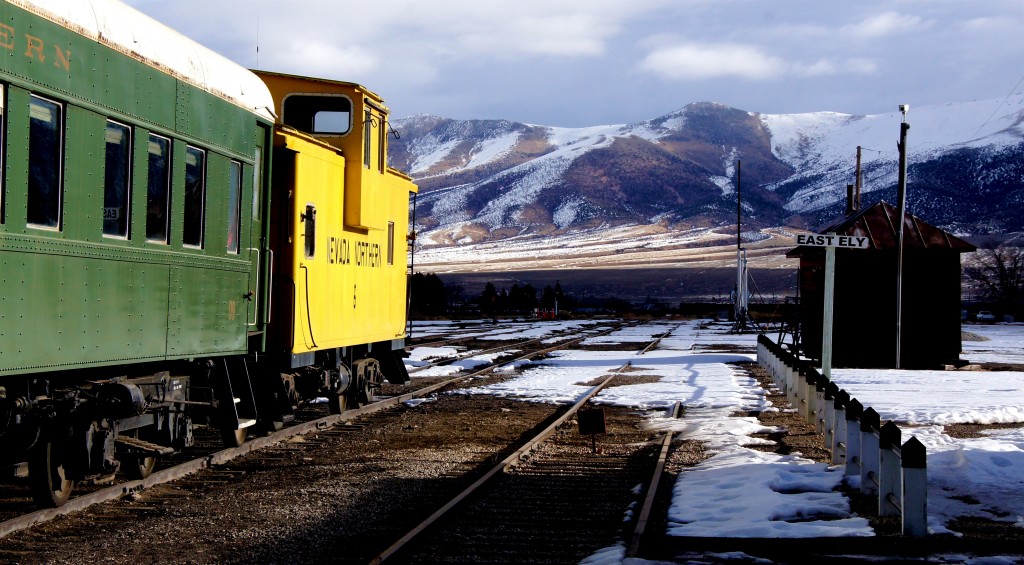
(720, 60)
(560, 35)
(317, 58)
(713, 60)
(470, 58)
(861, 66)
(987, 24)
(829, 67)
(887, 23)
(821, 68)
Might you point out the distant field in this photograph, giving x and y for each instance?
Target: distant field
(669, 285)
(630, 262)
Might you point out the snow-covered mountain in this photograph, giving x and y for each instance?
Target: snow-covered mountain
(487, 180)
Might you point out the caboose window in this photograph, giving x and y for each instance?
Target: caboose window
(382, 136)
(117, 180)
(195, 196)
(309, 220)
(235, 207)
(367, 137)
(158, 194)
(44, 159)
(319, 114)
(391, 243)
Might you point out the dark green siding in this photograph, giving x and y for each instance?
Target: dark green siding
(115, 83)
(200, 313)
(61, 312)
(83, 175)
(74, 298)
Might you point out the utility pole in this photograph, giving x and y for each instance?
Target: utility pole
(856, 198)
(739, 165)
(741, 260)
(901, 196)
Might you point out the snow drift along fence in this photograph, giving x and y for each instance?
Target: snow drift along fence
(855, 437)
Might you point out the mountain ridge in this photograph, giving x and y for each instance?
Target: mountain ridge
(490, 180)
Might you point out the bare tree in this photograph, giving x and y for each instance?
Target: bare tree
(999, 273)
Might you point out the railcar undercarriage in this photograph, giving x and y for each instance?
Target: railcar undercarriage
(89, 430)
(81, 428)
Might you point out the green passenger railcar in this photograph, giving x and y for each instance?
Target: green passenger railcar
(136, 259)
(88, 276)
(131, 233)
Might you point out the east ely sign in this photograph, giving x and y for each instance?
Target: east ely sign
(832, 240)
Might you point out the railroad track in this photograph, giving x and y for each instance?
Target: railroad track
(554, 500)
(571, 336)
(17, 512)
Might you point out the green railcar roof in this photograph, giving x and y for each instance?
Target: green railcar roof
(135, 34)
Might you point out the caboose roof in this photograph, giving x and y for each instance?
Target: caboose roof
(329, 83)
(135, 34)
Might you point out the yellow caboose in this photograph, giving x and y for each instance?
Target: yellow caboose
(338, 230)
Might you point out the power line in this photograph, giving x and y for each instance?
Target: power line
(998, 107)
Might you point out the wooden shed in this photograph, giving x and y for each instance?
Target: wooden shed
(864, 309)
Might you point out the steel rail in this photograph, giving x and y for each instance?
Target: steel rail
(508, 462)
(500, 467)
(652, 489)
(504, 347)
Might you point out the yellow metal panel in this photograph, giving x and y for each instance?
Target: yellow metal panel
(346, 293)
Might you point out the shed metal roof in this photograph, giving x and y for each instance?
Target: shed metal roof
(880, 224)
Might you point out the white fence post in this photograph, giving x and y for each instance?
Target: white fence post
(915, 488)
(819, 402)
(791, 386)
(890, 487)
(839, 445)
(828, 412)
(869, 422)
(854, 435)
(854, 409)
(808, 381)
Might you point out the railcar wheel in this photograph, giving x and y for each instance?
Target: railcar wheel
(365, 394)
(49, 483)
(359, 394)
(138, 468)
(233, 438)
(337, 403)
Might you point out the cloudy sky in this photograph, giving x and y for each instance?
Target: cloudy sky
(593, 62)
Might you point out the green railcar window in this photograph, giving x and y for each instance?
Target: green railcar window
(195, 196)
(235, 207)
(45, 149)
(117, 180)
(3, 152)
(158, 194)
(257, 184)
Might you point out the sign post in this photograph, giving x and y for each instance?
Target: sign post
(830, 241)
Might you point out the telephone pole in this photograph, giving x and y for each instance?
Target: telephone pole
(901, 196)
